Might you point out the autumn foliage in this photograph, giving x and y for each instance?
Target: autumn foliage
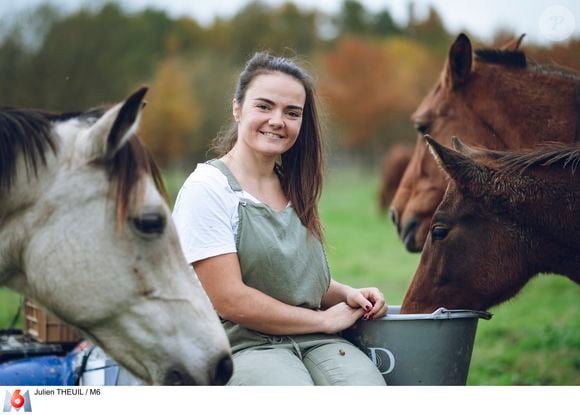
(172, 115)
(357, 90)
(371, 71)
(370, 84)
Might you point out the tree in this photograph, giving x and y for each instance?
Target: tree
(172, 116)
(384, 25)
(430, 32)
(283, 30)
(353, 18)
(359, 95)
(20, 42)
(371, 89)
(91, 57)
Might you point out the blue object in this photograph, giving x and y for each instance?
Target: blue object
(39, 371)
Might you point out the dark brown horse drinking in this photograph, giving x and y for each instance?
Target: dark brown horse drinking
(495, 99)
(505, 217)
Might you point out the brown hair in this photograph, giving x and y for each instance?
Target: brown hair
(302, 166)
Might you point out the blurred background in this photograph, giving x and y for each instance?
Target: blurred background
(372, 60)
(371, 69)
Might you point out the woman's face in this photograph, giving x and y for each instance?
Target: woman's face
(270, 117)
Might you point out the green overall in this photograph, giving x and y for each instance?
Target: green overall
(279, 257)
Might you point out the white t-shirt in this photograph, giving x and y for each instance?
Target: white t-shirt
(206, 214)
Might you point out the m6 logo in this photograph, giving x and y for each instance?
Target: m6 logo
(17, 401)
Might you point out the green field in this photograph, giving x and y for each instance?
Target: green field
(532, 340)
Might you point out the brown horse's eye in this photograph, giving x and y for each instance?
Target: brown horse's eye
(439, 232)
(150, 223)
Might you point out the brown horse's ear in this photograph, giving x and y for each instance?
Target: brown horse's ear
(474, 152)
(460, 146)
(461, 168)
(514, 44)
(459, 61)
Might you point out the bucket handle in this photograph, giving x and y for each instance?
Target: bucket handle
(442, 313)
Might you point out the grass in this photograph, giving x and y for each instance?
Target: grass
(9, 302)
(533, 339)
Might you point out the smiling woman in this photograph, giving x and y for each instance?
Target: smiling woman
(249, 224)
(272, 109)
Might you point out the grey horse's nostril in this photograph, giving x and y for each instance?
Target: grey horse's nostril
(178, 377)
(224, 370)
(394, 217)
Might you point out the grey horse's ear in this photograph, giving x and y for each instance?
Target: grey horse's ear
(112, 131)
(461, 168)
(126, 122)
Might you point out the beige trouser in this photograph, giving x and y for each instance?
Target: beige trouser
(296, 361)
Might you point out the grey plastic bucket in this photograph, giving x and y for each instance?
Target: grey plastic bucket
(419, 349)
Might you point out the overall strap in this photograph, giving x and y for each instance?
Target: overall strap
(221, 166)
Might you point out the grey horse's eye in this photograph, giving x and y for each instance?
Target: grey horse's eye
(150, 223)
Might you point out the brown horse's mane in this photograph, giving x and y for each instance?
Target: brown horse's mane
(512, 58)
(518, 59)
(545, 155)
(28, 133)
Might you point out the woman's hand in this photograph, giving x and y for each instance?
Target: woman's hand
(340, 317)
(370, 299)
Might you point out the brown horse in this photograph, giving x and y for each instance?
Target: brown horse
(395, 162)
(495, 99)
(505, 217)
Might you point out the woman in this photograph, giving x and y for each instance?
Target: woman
(249, 224)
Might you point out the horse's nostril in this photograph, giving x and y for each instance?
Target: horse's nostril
(224, 370)
(408, 235)
(394, 217)
(409, 228)
(178, 377)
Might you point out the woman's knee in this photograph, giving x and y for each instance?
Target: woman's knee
(269, 367)
(341, 363)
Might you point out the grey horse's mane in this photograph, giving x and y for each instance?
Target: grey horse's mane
(28, 134)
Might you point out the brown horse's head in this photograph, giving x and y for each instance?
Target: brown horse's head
(395, 162)
(496, 227)
(494, 99)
